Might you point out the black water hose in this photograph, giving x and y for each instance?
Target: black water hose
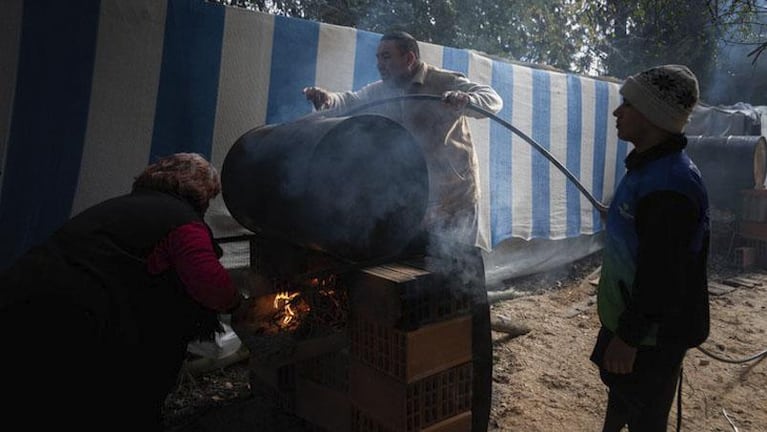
(547, 154)
(734, 361)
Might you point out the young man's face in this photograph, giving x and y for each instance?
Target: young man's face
(631, 124)
(393, 65)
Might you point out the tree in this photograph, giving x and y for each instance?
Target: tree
(594, 37)
(711, 37)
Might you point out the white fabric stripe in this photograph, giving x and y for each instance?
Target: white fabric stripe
(558, 140)
(522, 119)
(243, 90)
(123, 95)
(243, 85)
(431, 54)
(10, 37)
(335, 57)
(587, 151)
(481, 71)
(612, 144)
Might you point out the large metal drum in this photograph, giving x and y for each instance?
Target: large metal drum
(729, 165)
(355, 187)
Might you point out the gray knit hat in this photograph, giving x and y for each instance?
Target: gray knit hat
(664, 94)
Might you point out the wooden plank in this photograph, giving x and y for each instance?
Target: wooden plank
(750, 283)
(717, 289)
(729, 282)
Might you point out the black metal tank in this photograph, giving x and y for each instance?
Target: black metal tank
(729, 164)
(355, 187)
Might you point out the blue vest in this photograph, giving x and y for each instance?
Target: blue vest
(672, 172)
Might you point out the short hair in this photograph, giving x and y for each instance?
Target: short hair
(188, 175)
(405, 42)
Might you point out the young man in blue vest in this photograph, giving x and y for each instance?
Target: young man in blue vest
(652, 294)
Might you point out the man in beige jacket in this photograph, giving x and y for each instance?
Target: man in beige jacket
(441, 129)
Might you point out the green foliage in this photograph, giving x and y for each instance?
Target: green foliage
(594, 37)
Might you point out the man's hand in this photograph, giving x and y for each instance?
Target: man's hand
(456, 99)
(319, 97)
(619, 357)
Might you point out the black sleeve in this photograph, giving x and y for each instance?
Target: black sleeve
(665, 223)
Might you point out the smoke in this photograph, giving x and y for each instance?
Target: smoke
(369, 185)
(353, 186)
(738, 78)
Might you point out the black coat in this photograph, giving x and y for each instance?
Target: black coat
(96, 336)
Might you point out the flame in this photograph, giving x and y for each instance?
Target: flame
(283, 301)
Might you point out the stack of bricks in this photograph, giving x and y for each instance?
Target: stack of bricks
(752, 229)
(410, 352)
(403, 363)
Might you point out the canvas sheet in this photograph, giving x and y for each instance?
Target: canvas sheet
(93, 91)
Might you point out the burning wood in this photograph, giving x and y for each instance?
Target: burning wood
(290, 307)
(313, 308)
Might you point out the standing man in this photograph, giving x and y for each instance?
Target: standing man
(652, 294)
(442, 129)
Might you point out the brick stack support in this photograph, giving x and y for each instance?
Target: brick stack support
(752, 230)
(410, 352)
(403, 363)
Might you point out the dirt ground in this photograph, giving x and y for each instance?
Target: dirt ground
(543, 380)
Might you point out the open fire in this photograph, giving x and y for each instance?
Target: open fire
(385, 347)
(287, 308)
(307, 309)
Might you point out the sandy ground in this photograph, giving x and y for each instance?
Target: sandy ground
(543, 380)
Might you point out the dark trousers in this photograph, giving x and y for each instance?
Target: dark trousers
(642, 399)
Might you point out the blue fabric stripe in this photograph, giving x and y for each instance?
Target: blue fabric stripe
(50, 115)
(294, 65)
(573, 163)
(185, 113)
(621, 150)
(365, 70)
(601, 104)
(500, 169)
(455, 59)
(541, 188)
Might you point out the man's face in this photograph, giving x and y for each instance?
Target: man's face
(632, 125)
(393, 65)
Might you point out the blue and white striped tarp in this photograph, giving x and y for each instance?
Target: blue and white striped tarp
(94, 90)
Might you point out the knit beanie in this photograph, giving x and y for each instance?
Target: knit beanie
(665, 95)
